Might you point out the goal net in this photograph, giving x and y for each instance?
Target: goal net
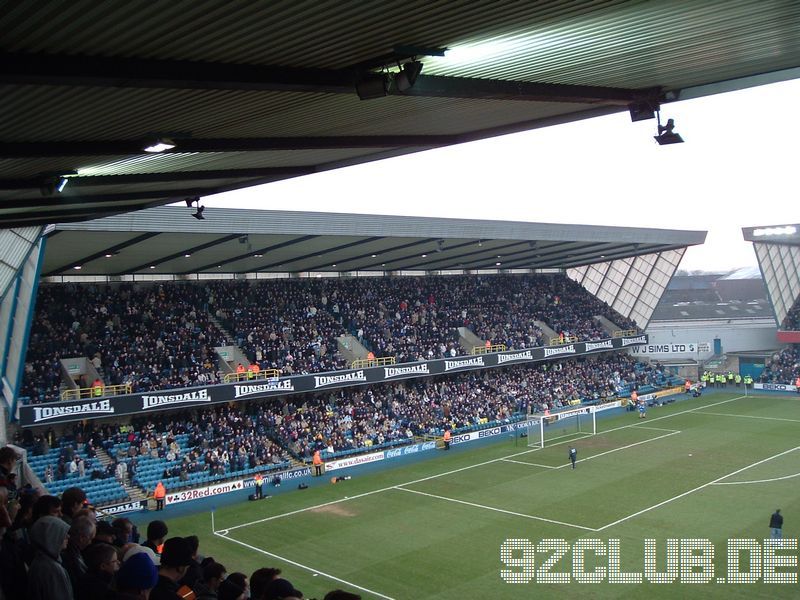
(560, 426)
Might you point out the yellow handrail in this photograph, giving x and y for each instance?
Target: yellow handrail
(96, 392)
(567, 339)
(488, 349)
(250, 376)
(624, 333)
(373, 362)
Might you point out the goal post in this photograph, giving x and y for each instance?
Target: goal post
(544, 430)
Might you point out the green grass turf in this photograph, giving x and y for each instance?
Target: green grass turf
(434, 529)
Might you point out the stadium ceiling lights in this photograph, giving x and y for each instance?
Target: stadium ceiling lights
(52, 183)
(159, 145)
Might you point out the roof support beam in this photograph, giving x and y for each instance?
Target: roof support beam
(186, 145)
(192, 250)
(115, 249)
(95, 71)
(101, 180)
(251, 253)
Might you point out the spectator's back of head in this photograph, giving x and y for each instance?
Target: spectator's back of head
(72, 499)
(230, 590)
(341, 595)
(47, 506)
(157, 530)
(259, 581)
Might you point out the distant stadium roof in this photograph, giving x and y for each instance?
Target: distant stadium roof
(743, 273)
(777, 249)
(168, 240)
(251, 92)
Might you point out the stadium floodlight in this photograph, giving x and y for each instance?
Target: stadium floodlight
(641, 110)
(372, 85)
(407, 77)
(666, 134)
(159, 145)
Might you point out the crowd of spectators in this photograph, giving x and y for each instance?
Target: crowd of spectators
(162, 336)
(261, 433)
(784, 367)
(151, 337)
(280, 325)
(56, 549)
(792, 320)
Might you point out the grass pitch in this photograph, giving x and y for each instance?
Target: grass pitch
(714, 468)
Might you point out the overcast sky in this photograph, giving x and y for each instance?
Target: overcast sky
(738, 168)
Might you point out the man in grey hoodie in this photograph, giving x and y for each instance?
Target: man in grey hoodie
(47, 579)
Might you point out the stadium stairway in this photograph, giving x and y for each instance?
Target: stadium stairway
(135, 493)
(548, 332)
(607, 324)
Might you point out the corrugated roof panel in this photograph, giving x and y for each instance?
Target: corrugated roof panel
(657, 42)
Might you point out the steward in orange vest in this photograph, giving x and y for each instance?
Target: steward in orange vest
(159, 494)
(447, 437)
(317, 460)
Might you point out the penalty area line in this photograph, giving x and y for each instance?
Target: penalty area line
(495, 509)
(302, 566)
(698, 488)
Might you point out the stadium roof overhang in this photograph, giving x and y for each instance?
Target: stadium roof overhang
(168, 240)
(250, 93)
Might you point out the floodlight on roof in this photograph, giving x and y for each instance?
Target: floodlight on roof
(372, 85)
(666, 134)
(199, 214)
(159, 145)
(407, 77)
(642, 110)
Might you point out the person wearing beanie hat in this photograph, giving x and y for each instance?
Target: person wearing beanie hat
(176, 556)
(137, 576)
(47, 578)
(131, 549)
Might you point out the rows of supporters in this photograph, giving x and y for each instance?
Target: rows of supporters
(55, 548)
(150, 337)
(228, 440)
(161, 336)
(784, 367)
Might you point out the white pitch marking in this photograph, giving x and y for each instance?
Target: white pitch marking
(698, 488)
(480, 464)
(302, 566)
(751, 417)
(758, 480)
(530, 464)
(492, 508)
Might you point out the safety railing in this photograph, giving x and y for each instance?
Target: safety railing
(97, 391)
(251, 375)
(373, 362)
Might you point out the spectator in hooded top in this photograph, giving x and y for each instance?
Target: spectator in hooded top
(47, 578)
